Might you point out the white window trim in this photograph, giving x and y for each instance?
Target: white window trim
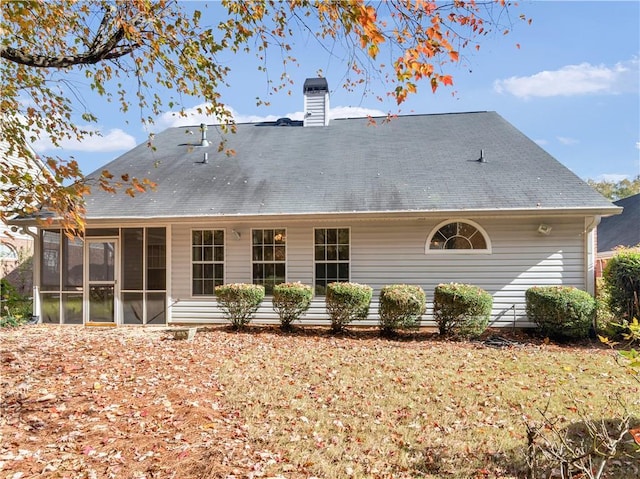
(313, 254)
(436, 228)
(286, 252)
(224, 261)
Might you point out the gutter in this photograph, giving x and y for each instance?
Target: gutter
(591, 253)
(408, 214)
(595, 222)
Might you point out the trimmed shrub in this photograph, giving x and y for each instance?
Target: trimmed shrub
(622, 283)
(239, 301)
(290, 301)
(561, 311)
(461, 309)
(401, 306)
(347, 302)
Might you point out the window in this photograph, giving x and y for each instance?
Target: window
(156, 258)
(61, 278)
(207, 257)
(269, 255)
(144, 275)
(72, 264)
(50, 264)
(8, 252)
(331, 252)
(458, 235)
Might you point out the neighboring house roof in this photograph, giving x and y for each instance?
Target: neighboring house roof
(32, 166)
(623, 229)
(417, 163)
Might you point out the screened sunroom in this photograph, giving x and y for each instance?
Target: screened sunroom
(111, 276)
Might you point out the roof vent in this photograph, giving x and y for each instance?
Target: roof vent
(316, 102)
(203, 130)
(283, 121)
(482, 159)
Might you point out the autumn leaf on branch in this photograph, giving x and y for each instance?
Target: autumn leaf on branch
(171, 50)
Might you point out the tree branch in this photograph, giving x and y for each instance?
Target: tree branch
(101, 49)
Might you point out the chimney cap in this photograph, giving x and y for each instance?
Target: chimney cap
(315, 84)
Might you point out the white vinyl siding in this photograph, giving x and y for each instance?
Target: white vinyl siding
(393, 251)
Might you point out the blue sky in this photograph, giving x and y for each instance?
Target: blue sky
(572, 86)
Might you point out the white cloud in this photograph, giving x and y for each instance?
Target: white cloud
(353, 112)
(195, 116)
(111, 140)
(565, 140)
(638, 145)
(612, 177)
(572, 80)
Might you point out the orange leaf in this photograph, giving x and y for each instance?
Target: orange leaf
(447, 80)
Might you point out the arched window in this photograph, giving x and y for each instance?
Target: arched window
(463, 236)
(8, 252)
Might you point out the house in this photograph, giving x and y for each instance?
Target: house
(16, 244)
(620, 230)
(419, 199)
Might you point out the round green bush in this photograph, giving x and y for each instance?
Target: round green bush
(461, 309)
(401, 307)
(239, 301)
(561, 311)
(622, 283)
(290, 301)
(347, 302)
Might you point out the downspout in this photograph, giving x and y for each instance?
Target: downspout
(169, 301)
(590, 256)
(36, 315)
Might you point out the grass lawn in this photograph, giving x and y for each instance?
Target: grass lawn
(131, 402)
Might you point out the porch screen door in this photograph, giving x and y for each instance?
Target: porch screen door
(101, 280)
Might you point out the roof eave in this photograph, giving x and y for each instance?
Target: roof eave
(504, 212)
(383, 214)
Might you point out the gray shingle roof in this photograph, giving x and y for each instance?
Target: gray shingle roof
(623, 229)
(412, 163)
